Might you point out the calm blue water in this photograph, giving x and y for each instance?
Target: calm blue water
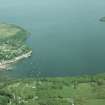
(66, 36)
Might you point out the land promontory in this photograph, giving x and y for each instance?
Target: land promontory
(13, 45)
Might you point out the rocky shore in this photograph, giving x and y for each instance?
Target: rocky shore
(5, 64)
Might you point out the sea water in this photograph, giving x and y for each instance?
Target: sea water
(67, 37)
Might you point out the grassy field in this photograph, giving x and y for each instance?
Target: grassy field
(85, 90)
(7, 31)
(10, 30)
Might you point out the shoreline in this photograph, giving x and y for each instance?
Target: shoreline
(5, 64)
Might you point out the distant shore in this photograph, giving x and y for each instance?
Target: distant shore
(6, 63)
(102, 19)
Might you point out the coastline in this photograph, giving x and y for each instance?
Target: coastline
(5, 64)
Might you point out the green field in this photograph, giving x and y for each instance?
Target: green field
(84, 90)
